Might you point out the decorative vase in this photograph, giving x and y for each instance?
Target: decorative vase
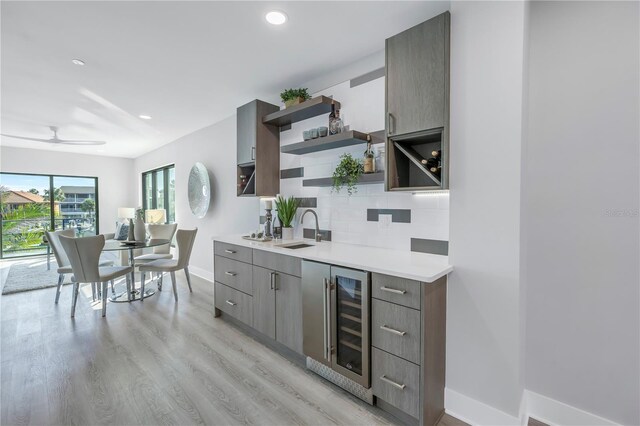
(139, 231)
(292, 102)
(130, 235)
(287, 233)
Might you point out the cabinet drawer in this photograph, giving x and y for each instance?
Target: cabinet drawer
(396, 329)
(397, 290)
(278, 262)
(231, 251)
(233, 273)
(234, 302)
(396, 381)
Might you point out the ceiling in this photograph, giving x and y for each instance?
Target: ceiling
(186, 64)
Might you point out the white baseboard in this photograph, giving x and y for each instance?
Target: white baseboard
(475, 412)
(202, 273)
(534, 405)
(554, 412)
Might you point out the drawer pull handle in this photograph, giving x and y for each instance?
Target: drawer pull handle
(392, 330)
(231, 274)
(230, 302)
(230, 251)
(393, 290)
(392, 383)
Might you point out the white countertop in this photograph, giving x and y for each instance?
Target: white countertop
(406, 264)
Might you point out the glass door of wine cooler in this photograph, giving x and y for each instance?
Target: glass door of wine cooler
(351, 330)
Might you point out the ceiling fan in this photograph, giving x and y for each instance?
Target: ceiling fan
(56, 140)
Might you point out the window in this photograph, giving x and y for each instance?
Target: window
(27, 210)
(159, 190)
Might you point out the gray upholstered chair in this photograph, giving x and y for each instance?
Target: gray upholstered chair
(185, 239)
(84, 256)
(64, 267)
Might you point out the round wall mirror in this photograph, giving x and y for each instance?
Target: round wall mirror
(199, 190)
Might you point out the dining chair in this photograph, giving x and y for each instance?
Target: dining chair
(64, 267)
(84, 256)
(159, 232)
(185, 239)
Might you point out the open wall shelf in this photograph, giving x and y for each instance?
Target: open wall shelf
(366, 179)
(340, 140)
(307, 109)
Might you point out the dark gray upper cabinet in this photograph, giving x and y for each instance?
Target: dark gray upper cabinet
(258, 150)
(417, 77)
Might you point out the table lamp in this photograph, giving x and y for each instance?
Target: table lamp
(155, 215)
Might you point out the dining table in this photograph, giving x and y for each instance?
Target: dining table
(132, 293)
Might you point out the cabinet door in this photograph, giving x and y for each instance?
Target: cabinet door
(246, 122)
(264, 301)
(289, 311)
(416, 77)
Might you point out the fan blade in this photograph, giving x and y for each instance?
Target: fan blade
(26, 138)
(76, 142)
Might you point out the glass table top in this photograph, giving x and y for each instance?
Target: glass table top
(113, 245)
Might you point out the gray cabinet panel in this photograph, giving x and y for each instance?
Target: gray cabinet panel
(233, 302)
(416, 77)
(278, 262)
(396, 381)
(264, 301)
(232, 251)
(289, 311)
(397, 290)
(247, 131)
(233, 273)
(396, 329)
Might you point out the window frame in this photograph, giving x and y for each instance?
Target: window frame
(154, 189)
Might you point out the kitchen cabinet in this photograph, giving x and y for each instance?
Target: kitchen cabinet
(258, 151)
(417, 82)
(417, 107)
(261, 289)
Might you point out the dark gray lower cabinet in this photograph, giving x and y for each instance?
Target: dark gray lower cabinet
(264, 301)
(289, 311)
(263, 290)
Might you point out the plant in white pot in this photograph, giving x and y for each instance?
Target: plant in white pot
(286, 213)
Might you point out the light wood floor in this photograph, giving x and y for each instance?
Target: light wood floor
(155, 362)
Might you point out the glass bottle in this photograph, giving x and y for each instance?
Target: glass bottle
(335, 122)
(369, 160)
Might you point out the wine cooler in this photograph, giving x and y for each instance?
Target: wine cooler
(336, 319)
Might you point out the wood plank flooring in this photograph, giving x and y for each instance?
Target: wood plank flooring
(154, 362)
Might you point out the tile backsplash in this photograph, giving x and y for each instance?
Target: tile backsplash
(371, 216)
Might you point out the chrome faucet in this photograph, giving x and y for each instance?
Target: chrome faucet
(318, 236)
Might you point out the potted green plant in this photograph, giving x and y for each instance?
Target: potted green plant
(347, 173)
(286, 213)
(292, 97)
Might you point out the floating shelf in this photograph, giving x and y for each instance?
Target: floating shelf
(362, 180)
(307, 109)
(340, 140)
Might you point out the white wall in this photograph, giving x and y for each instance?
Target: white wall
(215, 147)
(583, 318)
(362, 108)
(117, 185)
(483, 318)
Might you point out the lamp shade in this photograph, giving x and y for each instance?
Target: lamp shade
(155, 215)
(126, 212)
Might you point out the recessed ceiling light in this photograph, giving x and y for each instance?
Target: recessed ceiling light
(77, 62)
(145, 117)
(275, 17)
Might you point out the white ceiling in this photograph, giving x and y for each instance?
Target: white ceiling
(187, 64)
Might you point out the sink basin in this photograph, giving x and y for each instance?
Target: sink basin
(294, 246)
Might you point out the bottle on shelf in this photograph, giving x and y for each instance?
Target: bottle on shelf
(369, 158)
(335, 122)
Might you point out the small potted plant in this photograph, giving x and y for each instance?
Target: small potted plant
(347, 173)
(292, 97)
(286, 213)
